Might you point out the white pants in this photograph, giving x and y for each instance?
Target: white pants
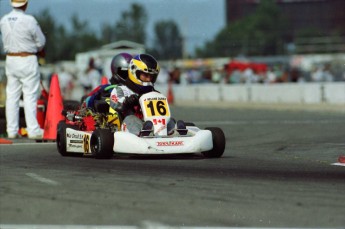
(23, 76)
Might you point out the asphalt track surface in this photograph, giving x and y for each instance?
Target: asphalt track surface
(276, 172)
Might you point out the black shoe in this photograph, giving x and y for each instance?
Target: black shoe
(171, 126)
(147, 129)
(181, 127)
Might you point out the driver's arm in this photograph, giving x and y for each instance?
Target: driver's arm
(117, 98)
(122, 100)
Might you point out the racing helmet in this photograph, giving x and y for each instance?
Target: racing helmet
(142, 63)
(119, 68)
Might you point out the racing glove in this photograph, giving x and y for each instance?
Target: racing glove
(131, 101)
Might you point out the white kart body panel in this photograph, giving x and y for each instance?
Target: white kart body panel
(128, 143)
(78, 141)
(156, 109)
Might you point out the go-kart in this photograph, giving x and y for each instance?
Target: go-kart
(99, 134)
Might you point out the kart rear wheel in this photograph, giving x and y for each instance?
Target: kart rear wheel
(102, 141)
(218, 139)
(61, 138)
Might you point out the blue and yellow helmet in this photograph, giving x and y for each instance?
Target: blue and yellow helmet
(143, 63)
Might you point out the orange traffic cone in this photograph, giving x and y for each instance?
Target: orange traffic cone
(54, 109)
(5, 141)
(104, 80)
(170, 95)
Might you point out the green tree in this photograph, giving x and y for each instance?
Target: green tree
(108, 34)
(81, 38)
(262, 33)
(63, 44)
(168, 41)
(132, 25)
(49, 29)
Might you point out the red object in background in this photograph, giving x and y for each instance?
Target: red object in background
(54, 109)
(170, 96)
(42, 106)
(41, 112)
(241, 66)
(104, 80)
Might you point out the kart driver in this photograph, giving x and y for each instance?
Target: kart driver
(119, 70)
(143, 71)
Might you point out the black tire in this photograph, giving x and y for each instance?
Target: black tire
(102, 141)
(61, 139)
(218, 139)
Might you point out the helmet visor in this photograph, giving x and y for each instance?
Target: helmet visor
(147, 76)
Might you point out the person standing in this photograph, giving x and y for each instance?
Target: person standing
(23, 41)
(91, 78)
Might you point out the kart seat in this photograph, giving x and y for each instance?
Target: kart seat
(101, 106)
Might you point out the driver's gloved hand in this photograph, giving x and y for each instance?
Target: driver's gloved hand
(131, 101)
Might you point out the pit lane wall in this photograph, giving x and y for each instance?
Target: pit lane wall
(289, 93)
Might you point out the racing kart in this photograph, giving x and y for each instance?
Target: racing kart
(100, 134)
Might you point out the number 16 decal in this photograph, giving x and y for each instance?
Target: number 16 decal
(157, 108)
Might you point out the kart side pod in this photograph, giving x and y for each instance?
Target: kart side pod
(131, 144)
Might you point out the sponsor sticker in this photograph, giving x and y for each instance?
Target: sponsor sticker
(171, 143)
(74, 135)
(114, 98)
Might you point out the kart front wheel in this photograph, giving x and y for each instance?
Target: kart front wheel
(102, 141)
(61, 138)
(218, 139)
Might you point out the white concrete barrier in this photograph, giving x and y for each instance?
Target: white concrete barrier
(334, 93)
(293, 93)
(296, 93)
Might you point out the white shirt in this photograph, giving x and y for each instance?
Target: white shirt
(21, 33)
(94, 77)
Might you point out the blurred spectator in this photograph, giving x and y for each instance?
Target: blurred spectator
(294, 75)
(65, 82)
(328, 76)
(184, 77)
(193, 76)
(163, 76)
(282, 74)
(248, 76)
(175, 75)
(322, 74)
(207, 76)
(317, 75)
(217, 75)
(92, 77)
(271, 76)
(235, 77)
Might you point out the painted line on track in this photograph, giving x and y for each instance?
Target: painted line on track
(265, 122)
(338, 164)
(41, 179)
(29, 144)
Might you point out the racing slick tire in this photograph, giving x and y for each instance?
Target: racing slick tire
(102, 141)
(218, 139)
(61, 138)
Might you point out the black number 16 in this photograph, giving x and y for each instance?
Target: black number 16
(160, 108)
